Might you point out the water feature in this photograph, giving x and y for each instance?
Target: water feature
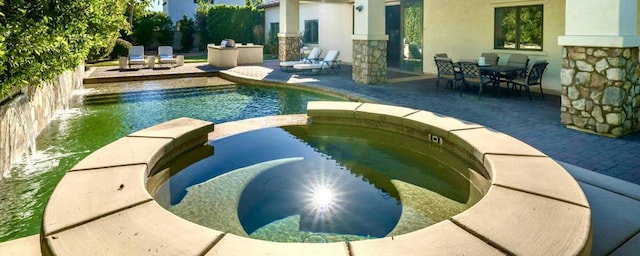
(78, 131)
(320, 183)
(18, 120)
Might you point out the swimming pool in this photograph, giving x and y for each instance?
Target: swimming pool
(77, 132)
(114, 212)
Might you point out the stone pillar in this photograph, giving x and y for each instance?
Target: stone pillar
(369, 42)
(289, 36)
(369, 61)
(600, 91)
(288, 47)
(599, 76)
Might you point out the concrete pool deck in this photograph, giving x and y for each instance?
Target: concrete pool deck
(614, 203)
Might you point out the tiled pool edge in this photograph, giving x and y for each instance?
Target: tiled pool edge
(518, 215)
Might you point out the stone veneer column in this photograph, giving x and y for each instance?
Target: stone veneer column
(600, 91)
(288, 48)
(289, 36)
(599, 76)
(369, 42)
(369, 61)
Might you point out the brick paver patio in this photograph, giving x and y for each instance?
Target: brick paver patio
(536, 123)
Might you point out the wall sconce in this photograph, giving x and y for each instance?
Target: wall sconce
(359, 8)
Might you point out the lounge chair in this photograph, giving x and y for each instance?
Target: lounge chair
(166, 55)
(313, 57)
(136, 56)
(330, 63)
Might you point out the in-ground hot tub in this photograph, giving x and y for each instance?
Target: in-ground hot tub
(532, 205)
(323, 183)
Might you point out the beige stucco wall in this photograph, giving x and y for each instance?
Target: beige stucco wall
(271, 15)
(464, 29)
(334, 26)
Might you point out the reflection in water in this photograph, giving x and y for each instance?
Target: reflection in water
(348, 184)
(321, 199)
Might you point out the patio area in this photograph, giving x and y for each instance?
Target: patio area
(607, 169)
(536, 123)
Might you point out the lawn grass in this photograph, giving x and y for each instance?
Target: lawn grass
(197, 58)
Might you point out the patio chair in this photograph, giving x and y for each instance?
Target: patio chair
(471, 75)
(441, 55)
(515, 60)
(330, 63)
(165, 54)
(136, 56)
(490, 58)
(313, 57)
(533, 78)
(447, 71)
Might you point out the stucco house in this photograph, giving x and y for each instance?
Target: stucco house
(176, 9)
(591, 45)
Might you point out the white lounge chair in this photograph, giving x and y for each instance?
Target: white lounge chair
(165, 54)
(136, 56)
(330, 63)
(313, 57)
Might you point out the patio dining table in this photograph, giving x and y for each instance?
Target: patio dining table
(495, 70)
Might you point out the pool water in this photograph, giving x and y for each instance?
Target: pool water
(320, 183)
(77, 132)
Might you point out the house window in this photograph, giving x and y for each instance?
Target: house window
(311, 31)
(518, 28)
(274, 28)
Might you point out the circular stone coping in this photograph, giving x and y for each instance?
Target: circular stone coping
(102, 205)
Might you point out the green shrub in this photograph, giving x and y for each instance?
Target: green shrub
(233, 22)
(201, 24)
(272, 42)
(188, 29)
(153, 26)
(165, 28)
(98, 53)
(120, 49)
(42, 39)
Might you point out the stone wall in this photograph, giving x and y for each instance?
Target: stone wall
(600, 91)
(369, 61)
(24, 115)
(289, 48)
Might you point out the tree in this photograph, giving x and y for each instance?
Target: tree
(41, 39)
(142, 5)
(188, 29)
(150, 24)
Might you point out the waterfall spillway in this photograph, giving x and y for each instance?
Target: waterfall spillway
(18, 131)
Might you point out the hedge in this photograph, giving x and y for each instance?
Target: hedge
(240, 23)
(41, 39)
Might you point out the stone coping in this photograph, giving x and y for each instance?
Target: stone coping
(103, 207)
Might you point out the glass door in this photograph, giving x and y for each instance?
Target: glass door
(412, 35)
(404, 27)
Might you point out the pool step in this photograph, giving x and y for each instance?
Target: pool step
(147, 95)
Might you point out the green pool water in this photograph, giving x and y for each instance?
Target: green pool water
(77, 132)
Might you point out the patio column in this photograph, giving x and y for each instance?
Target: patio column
(599, 76)
(369, 42)
(289, 36)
